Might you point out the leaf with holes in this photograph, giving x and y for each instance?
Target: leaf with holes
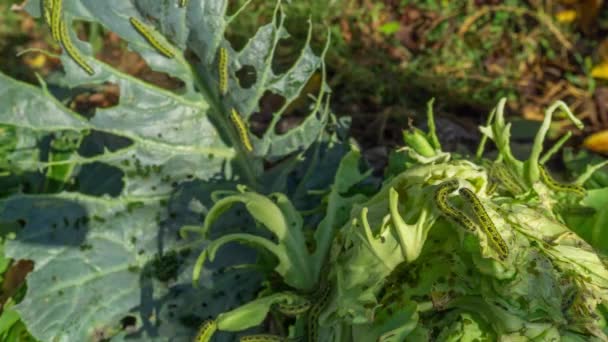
(109, 189)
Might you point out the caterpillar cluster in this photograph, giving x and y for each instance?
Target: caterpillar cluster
(53, 15)
(149, 33)
(441, 201)
(500, 174)
(484, 220)
(235, 117)
(486, 223)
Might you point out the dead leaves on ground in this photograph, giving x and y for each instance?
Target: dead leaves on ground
(14, 278)
(584, 12)
(546, 72)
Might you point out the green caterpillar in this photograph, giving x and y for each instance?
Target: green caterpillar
(206, 331)
(52, 17)
(223, 71)
(492, 186)
(500, 174)
(486, 223)
(314, 313)
(294, 309)
(56, 7)
(241, 129)
(551, 183)
(262, 338)
(47, 8)
(441, 200)
(71, 50)
(148, 33)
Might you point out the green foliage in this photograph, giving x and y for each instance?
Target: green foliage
(301, 270)
(400, 267)
(107, 192)
(131, 218)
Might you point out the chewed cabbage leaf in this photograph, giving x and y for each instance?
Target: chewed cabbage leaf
(407, 265)
(115, 185)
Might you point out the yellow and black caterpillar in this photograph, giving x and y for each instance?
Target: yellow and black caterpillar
(53, 15)
(242, 130)
(149, 33)
(223, 71)
(494, 238)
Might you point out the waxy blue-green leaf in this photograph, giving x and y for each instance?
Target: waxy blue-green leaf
(100, 249)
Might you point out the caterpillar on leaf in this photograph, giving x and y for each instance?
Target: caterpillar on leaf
(486, 223)
(206, 331)
(223, 71)
(312, 326)
(72, 51)
(242, 130)
(441, 201)
(149, 33)
(553, 184)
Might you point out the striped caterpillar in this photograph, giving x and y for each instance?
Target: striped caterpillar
(294, 309)
(71, 50)
(441, 201)
(149, 33)
(47, 8)
(299, 306)
(206, 331)
(486, 223)
(461, 218)
(500, 175)
(551, 183)
(312, 324)
(53, 15)
(223, 71)
(241, 129)
(56, 8)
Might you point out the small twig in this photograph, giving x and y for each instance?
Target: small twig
(552, 92)
(540, 17)
(438, 21)
(44, 52)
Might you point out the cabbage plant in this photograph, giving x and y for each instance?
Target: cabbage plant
(96, 198)
(137, 229)
(449, 248)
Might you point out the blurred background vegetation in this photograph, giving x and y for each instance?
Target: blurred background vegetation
(388, 57)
